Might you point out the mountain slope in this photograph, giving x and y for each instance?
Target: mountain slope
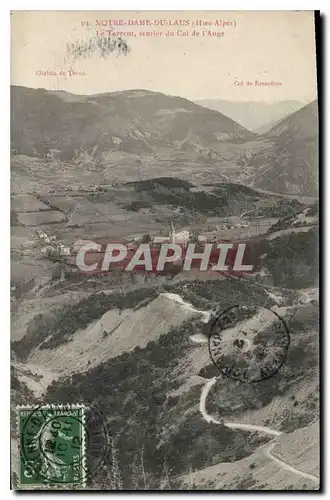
(134, 121)
(303, 124)
(291, 165)
(253, 114)
(259, 471)
(111, 335)
(139, 134)
(132, 354)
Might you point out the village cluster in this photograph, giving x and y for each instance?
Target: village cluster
(52, 248)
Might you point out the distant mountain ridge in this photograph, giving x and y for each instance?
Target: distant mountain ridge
(134, 121)
(257, 116)
(139, 134)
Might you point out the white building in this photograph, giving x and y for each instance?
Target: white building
(64, 251)
(181, 237)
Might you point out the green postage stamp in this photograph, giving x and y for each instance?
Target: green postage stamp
(52, 445)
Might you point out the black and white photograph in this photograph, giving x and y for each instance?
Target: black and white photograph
(164, 288)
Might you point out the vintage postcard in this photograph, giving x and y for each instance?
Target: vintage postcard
(164, 251)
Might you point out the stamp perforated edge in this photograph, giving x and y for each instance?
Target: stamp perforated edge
(22, 486)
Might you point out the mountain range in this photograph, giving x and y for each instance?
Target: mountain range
(257, 116)
(137, 120)
(139, 134)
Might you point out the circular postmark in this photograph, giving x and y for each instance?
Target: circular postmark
(61, 444)
(248, 343)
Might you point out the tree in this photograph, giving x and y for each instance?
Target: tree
(146, 238)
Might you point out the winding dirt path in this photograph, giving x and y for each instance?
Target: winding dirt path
(252, 428)
(287, 466)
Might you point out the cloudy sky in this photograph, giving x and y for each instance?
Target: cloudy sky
(265, 46)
